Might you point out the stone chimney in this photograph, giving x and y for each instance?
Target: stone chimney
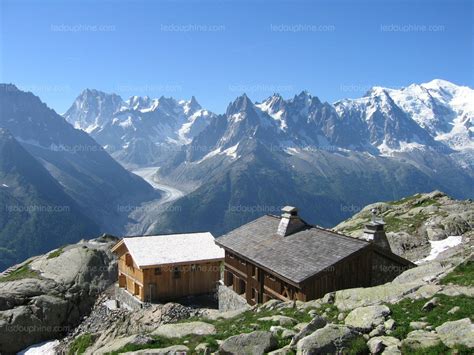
(374, 231)
(290, 222)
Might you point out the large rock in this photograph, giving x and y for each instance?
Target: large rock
(418, 339)
(360, 297)
(457, 332)
(367, 318)
(377, 344)
(255, 343)
(316, 323)
(180, 330)
(328, 340)
(282, 320)
(421, 273)
(64, 289)
(171, 350)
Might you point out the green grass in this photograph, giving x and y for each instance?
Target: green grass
(426, 203)
(23, 272)
(80, 344)
(246, 322)
(409, 224)
(462, 275)
(405, 200)
(55, 253)
(436, 350)
(358, 346)
(408, 311)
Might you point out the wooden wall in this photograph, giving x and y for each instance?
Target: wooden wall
(133, 275)
(256, 284)
(353, 271)
(194, 279)
(147, 286)
(365, 268)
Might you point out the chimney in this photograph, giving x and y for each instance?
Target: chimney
(374, 232)
(290, 222)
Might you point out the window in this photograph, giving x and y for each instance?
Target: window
(158, 271)
(231, 256)
(254, 295)
(272, 278)
(128, 260)
(230, 278)
(176, 273)
(254, 271)
(241, 287)
(243, 262)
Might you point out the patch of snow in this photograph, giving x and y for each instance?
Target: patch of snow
(5, 185)
(292, 150)
(237, 117)
(232, 151)
(277, 116)
(209, 155)
(438, 246)
(127, 123)
(46, 348)
(404, 146)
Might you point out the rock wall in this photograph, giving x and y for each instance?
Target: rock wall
(127, 300)
(229, 300)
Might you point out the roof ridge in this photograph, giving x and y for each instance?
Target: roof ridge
(338, 233)
(161, 234)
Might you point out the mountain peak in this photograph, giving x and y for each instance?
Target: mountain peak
(439, 83)
(241, 103)
(8, 87)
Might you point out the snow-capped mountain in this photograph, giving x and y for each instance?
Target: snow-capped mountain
(442, 108)
(313, 154)
(140, 130)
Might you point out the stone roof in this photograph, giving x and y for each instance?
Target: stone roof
(297, 256)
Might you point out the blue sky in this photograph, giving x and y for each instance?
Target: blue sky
(218, 49)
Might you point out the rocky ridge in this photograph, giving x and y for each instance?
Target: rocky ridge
(413, 223)
(47, 296)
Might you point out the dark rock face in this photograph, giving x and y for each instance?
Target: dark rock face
(59, 291)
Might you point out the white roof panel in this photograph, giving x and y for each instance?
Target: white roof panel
(173, 248)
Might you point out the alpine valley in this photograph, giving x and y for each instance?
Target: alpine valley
(328, 159)
(215, 172)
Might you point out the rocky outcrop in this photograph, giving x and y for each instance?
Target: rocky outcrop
(184, 329)
(50, 294)
(361, 297)
(416, 220)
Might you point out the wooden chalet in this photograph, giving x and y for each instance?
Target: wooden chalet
(165, 267)
(285, 258)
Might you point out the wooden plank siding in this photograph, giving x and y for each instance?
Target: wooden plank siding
(353, 271)
(256, 284)
(176, 281)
